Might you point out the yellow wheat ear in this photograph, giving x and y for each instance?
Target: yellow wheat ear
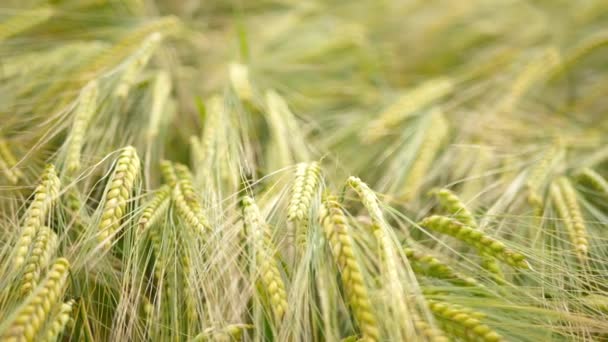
(337, 233)
(28, 319)
(566, 203)
(409, 103)
(8, 163)
(305, 186)
(436, 135)
(42, 250)
(118, 192)
(35, 217)
(85, 109)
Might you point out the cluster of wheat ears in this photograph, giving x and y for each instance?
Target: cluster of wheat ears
(282, 170)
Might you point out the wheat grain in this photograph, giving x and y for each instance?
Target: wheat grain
(337, 233)
(263, 248)
(118, 192)
(25, 323)
(473, 237)
(44, 196)
(85, 110)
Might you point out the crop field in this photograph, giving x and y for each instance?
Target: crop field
(323, 170)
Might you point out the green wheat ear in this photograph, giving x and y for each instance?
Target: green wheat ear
(263, 249)
(475, 238)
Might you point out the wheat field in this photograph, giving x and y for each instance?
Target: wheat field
(324, 170)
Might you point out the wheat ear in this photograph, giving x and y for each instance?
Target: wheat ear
(84, 111)
(430, 266)
(155, 208)
(454, 206)
(305, 186)
(117, 194)
(161, 94)
(451, 203)
(409, 103)
(57, 325)
(25, 323)
(537, 178)
(263, 249)
(8, 162)
(436, 134)
(337, 234)
(239, 79)
(564, 198)
(473, 237)
(594, 180)
(231, 332)
(167, 170)
(136, 63)
(42, 250)
(188, 207)
(461, 323)
(44, 196)
(25, 20)
(430, 333)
